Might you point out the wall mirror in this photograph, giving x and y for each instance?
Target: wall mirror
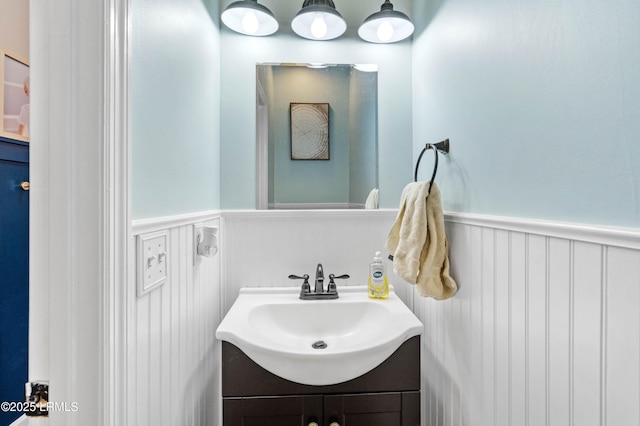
(317, 131)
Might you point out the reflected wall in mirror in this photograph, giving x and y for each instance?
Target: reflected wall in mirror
(351, 174)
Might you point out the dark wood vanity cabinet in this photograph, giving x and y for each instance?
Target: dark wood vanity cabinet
(389, 395)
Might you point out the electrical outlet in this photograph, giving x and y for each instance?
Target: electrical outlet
(152, 261)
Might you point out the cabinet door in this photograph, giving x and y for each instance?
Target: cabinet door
(380, 409)
(383, 409)
(273, 411)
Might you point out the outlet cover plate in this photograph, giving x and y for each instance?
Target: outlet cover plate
(152, 261)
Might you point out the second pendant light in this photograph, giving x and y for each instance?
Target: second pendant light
(318, 20)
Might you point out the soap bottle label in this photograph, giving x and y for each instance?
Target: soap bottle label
(378, 284)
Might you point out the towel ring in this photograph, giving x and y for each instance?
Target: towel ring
(443, 147)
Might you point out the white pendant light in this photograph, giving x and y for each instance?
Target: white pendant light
(318, 20)
(250, 18)
(386, 26)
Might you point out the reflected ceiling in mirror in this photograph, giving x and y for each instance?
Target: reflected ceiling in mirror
(327, 108)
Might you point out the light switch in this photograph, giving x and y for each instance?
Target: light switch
(152, 261)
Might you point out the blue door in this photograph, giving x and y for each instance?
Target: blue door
(14, 274)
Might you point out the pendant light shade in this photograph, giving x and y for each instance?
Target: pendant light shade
(250, 18)
(386, 26)
(319, 20)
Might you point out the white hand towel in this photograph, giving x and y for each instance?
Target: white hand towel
(372, 199)
(419, 243)
(408, 234)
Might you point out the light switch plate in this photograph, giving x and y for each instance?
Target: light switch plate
(152, 261)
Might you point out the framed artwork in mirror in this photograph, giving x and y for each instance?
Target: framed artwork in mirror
(14, 96)
(309, 131)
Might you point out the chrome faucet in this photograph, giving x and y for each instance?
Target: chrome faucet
(318, 292)
(319, 288)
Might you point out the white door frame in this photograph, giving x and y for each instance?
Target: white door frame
(79, 218)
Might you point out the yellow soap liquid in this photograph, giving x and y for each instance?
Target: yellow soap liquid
(378, 286)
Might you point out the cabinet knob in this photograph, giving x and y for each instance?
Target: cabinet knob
(25, 186)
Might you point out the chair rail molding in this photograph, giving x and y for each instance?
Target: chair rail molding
(607, 235)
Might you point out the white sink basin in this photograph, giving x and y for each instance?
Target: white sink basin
(277, 330)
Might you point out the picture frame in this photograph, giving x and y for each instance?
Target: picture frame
(309, 131)
(14, 96)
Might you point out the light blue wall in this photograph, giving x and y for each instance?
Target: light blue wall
(540, 101)
(540, 105)
(175, 78)
(240, 54)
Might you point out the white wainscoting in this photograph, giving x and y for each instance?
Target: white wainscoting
(173, 361)
(545, 330)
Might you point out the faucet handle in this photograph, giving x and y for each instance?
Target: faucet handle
(339, 277)
(332, 285)
(298, 277)
(306, 288)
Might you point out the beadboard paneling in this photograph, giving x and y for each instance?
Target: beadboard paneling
(174, 356)
(263, 247)
(544, 330)
(620, 337)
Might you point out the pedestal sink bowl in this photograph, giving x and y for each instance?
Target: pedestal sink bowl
(317, 342)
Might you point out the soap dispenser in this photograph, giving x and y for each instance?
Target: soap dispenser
(378, 283)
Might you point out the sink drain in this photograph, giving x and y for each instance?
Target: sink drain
(320, 344)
